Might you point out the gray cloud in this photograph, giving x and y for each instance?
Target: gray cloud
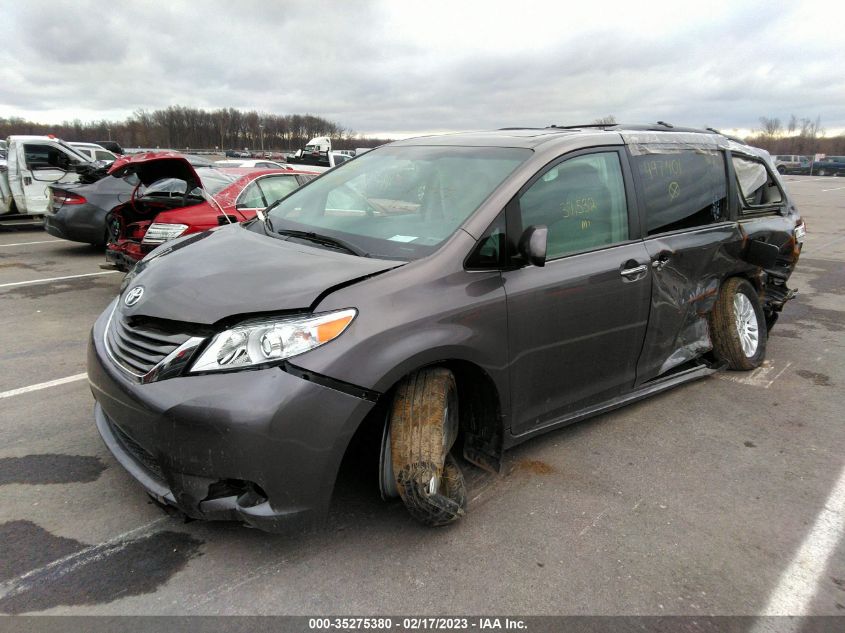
(375, 69)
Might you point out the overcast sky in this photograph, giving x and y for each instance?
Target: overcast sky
(398, 68)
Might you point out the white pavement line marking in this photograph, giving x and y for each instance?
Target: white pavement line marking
(42, 385)
(50, 279)
(778, 375)
(27, 243)
(808, 179)
(62, 566)
(225, 588)
(834, 189)
(798, 584)
(760, 377)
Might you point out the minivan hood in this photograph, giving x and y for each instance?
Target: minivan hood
(239, 270)
(154, 166)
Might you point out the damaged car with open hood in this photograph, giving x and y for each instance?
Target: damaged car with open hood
(172, 198)
(447, 296)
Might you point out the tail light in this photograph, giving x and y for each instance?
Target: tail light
(61, 197)
(800, 231)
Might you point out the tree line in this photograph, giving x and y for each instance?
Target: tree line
(797, 136)
(181, 127)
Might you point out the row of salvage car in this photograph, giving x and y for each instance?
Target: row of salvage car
(131, 204)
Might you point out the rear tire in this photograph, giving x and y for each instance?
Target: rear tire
(423, 427)
(738, 326)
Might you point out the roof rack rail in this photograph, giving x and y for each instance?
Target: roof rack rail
(660, 126)
(575, 127)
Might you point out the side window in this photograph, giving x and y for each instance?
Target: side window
(251, 197)
(37, 155)
(276, 188)
(102, 155)
(581, 201)
(682, 189)
(757, 188)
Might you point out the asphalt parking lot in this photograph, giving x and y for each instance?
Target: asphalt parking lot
(724, 496)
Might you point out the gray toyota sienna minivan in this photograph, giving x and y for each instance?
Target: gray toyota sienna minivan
(458, 293)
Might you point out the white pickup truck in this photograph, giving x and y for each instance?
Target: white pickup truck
(32, 163)
(318, 155)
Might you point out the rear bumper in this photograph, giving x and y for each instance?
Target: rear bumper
(262, 447)
(82, 223)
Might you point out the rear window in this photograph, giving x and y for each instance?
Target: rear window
(682, 189)
(212, 180)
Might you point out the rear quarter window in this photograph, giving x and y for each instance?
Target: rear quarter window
(682, 189)
(758, 190)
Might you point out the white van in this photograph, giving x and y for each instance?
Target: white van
(33, 163)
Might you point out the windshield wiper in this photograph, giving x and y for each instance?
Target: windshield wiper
(325, 240)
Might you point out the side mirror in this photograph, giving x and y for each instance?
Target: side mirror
(532, 245)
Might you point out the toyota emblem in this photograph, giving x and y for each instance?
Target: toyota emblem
(133, 296)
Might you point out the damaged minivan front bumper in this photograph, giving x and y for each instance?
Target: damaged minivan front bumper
(262, 447)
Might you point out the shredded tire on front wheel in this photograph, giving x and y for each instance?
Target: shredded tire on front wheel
(423, 427)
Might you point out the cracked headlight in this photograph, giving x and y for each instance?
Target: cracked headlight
(267, 341)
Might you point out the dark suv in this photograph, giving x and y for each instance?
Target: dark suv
(457, 294)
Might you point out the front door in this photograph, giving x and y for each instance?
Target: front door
(17, 172)
(576, 326)
(43, 164)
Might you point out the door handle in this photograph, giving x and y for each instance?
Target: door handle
(635, 272)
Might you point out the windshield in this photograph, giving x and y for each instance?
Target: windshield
(212, 180)
(399, 202)
(74, 152)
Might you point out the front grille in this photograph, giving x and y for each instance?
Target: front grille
(141, 455)
(139, 349)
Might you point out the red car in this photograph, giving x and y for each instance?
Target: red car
(178, 200)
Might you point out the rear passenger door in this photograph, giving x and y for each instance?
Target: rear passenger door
(692, 244)
(576, 325)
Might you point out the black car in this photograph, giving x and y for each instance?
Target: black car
(448, 296)
(112, 146)
(77, 212)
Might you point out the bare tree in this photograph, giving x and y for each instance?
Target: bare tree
(606, 120)
(771, 127)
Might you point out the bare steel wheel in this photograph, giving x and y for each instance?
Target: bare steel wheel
(738, 326)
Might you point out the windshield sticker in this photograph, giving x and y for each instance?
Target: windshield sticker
(402, 238)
